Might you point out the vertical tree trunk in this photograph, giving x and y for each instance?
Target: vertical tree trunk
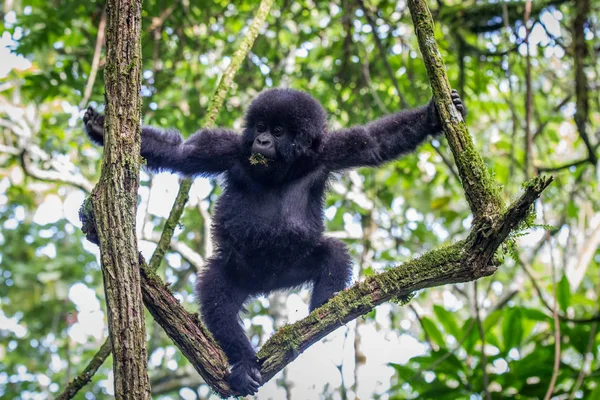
(115, 200)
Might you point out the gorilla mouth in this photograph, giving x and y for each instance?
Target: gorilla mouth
(259, 159)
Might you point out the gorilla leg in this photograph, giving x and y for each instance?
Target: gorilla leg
(220, 303)
(333, 270)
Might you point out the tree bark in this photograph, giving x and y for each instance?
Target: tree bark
(483, 194)
(114, 200)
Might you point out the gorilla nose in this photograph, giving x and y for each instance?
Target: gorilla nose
(264, 141)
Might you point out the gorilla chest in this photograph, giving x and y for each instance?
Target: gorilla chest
(279, 217)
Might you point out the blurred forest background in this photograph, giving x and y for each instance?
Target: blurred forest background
(530, 79)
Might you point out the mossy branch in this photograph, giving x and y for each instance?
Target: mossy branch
(215, 105)
(481, 191)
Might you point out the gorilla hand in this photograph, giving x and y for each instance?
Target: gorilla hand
(94, 125)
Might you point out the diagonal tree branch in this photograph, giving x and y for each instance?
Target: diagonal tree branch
(95, 61)
(86, 375)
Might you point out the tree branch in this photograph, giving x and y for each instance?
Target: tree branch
(95, 61)
(373, 24)
(581, 53)
(53, 176)
(481, 191)
(86, 375)
(114, 200)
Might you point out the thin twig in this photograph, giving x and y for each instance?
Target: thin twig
(540, 293)
(446, 161)
(86, 375)
(483, 361)
(564, 166)
(95, 61)
(528, 95)
(52, 175)
(373, 24)
(511, 106)
(555, 110)
(556, 365)
(580, 55)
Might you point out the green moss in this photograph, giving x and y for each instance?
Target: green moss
(403, 300)
(286, 338)
(258, 159)
(472, 166)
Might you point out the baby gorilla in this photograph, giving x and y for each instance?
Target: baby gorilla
(268, 224)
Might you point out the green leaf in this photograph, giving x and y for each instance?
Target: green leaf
(563, 293)
(492, 319)
(512, 328)
(448, 320)
(433, 332)
(534, 314)
(440, 202)
(595, 395)
(572, 210)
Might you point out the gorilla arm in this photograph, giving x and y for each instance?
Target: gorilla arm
(384, 139)
(208, 152)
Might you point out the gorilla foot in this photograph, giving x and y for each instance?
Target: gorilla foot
(245, 378)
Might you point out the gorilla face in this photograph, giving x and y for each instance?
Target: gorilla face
(283, 125)
(270, 139)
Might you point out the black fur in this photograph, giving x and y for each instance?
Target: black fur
(268, 225)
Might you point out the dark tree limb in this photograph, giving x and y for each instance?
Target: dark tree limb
(114, 200)
(186, 331)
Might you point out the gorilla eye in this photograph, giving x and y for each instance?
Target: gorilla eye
(278, 131)
(260, 127)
